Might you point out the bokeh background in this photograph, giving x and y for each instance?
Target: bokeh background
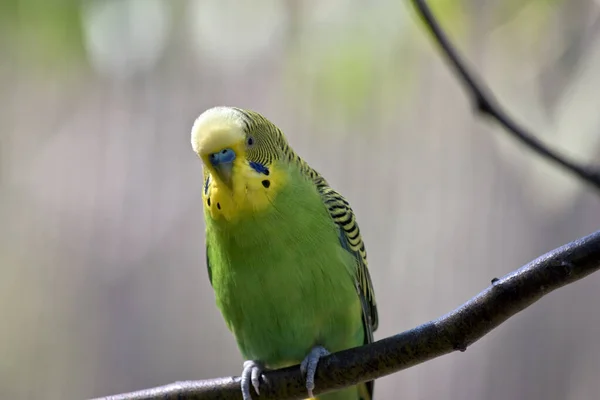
(103, 285)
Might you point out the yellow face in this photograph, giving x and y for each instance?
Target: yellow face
(233, 188)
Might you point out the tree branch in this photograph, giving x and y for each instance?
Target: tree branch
(487, 105)
(457, 330)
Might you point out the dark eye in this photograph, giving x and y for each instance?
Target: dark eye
(250, 141)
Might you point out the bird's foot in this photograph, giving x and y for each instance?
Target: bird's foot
(308, 367)
(251, 374)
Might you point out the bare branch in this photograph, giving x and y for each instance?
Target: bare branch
(487, 105)
(457, 330)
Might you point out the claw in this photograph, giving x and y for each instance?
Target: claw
(251, 374)
(308, 367)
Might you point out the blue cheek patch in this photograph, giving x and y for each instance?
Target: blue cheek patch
(261, 169)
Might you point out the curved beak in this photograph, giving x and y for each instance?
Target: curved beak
(222, 162)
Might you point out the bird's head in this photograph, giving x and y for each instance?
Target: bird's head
(219, 137)
(239, 150)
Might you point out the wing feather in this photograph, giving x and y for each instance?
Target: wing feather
(208, 266)
(351, 240)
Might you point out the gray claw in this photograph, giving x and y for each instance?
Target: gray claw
(256, 372)
(251, 374)
(308, 367)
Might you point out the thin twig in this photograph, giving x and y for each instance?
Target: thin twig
(486, 104)
(457, 330)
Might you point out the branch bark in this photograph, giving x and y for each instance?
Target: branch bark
(456, 330)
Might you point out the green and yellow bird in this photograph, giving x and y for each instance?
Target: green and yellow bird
(284, 252)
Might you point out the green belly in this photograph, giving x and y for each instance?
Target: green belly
(282, 280)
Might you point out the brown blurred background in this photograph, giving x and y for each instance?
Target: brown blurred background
(103, 286)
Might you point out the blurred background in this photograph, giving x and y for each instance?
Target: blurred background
(103, 284)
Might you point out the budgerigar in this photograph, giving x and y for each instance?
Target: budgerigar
(284, 252)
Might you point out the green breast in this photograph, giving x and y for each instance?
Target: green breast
(282, 280)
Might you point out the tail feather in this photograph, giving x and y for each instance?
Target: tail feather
(365, 391)
(362, 391)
